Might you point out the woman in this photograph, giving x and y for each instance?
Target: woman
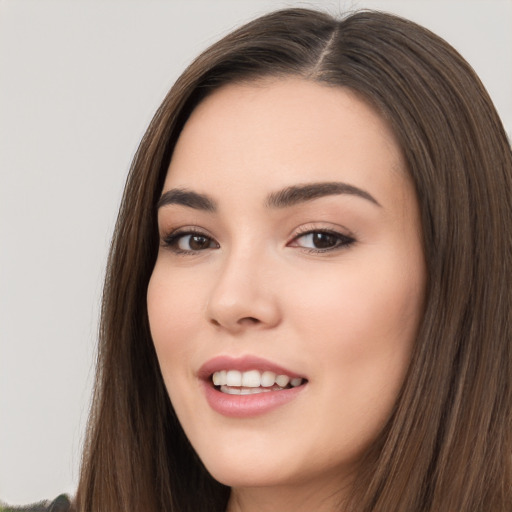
(321, 209)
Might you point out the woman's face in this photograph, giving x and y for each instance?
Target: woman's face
(290, 246)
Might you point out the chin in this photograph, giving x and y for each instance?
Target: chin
(236, 477)
(247, 469)
(238, 468)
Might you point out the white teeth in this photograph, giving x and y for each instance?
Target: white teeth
(243, 391)
(233, 378)
(268, 379)
(219, 378)
(252, 379)
(282, 380)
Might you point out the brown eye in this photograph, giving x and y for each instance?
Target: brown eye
(189, 242)
(194, 243)
(322, 241)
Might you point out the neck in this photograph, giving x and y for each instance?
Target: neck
(303, 498)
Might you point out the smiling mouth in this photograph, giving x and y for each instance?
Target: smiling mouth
(234, 382)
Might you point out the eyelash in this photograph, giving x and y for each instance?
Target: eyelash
(172, 240)
(343, 241)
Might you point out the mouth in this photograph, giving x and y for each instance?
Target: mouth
(248, 386)
(252, 382)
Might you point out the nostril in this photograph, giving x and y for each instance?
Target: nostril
(249, 320)
(246, 321)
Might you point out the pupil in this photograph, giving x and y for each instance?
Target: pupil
(323, 240)
(198, 242)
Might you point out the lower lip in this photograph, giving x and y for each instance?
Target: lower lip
(246, 406)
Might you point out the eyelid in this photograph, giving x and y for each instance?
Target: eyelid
(346, 239)
(327, 227)
(172, 235)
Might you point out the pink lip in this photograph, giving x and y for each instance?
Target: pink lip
(245, 406)
(242, 364)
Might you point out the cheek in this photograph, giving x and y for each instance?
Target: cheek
(173, 310)
(361, 305)
(361, 324)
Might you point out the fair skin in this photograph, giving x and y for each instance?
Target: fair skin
(323, 283)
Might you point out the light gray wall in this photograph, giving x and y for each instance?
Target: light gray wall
(79, 81)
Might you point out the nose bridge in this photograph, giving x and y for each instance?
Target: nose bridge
(242, 294)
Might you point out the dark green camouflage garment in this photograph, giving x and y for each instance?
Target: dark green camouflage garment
(60, 504)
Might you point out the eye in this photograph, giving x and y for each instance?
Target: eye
(186, 242)
(321, 241)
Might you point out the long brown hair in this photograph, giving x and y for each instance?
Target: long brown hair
(447, 445)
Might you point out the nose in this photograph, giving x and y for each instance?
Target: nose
(242, 296)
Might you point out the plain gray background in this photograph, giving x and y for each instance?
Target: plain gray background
(79, 82)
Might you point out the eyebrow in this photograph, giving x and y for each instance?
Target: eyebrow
(285, 198)
(295, 194)
(188, 198)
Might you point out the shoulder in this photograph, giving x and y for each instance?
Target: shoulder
(59, 504)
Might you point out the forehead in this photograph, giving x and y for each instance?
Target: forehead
(273, 133)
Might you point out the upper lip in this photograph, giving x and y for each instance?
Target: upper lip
(242, 364)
